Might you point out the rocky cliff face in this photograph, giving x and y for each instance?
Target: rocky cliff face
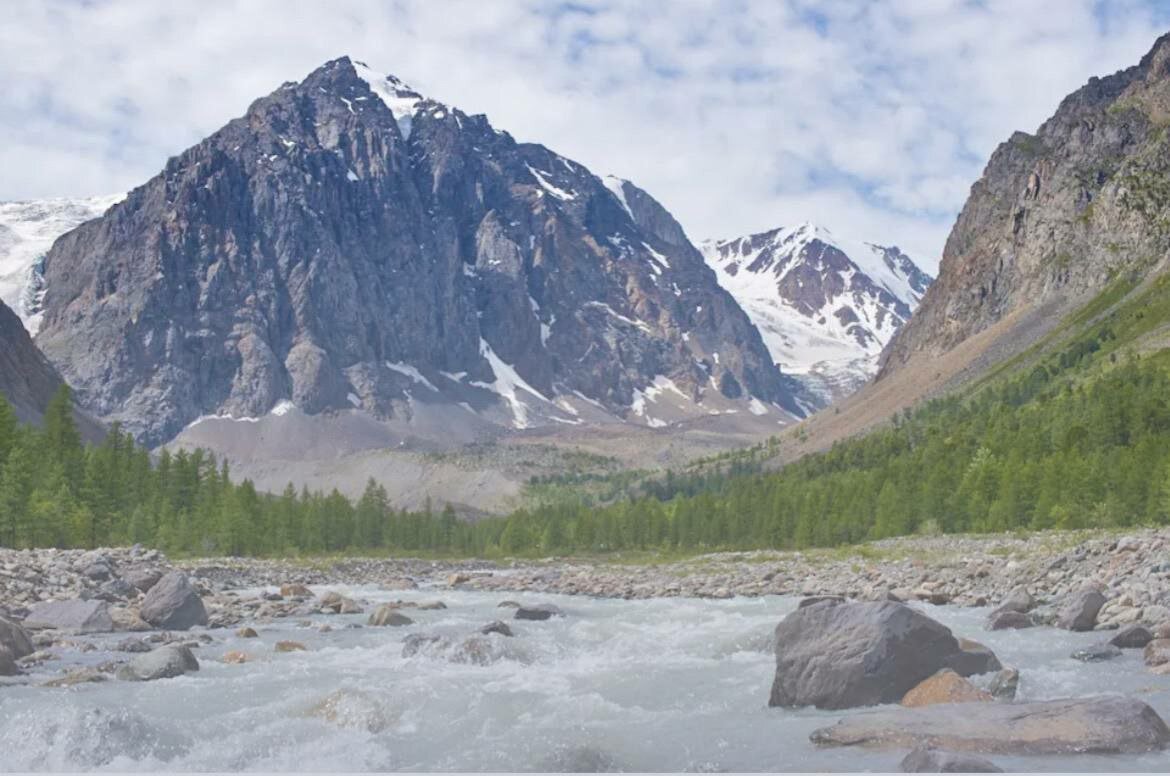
(349, 243)
(825, 307)
(1056, 214)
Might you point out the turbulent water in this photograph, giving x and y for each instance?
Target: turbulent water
(667, 684)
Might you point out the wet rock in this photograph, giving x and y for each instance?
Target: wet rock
(247, 633)
(862, 654)
(1096, 653)
(508, 605)
(496, 626)
(1157, 652)
(295, 590)
(172, 603)
(431, 606)
(289, 646)
(923, 760)
(1132, 637)
(352, 709)
(133, 645)
(8, 666)
(820, 599)
(1004, 684)
(1102, 725)
(944, 687)
(235, 657)
(578, 759)
(416, 643)
(15, 639)
(75, 677)
(75, 616)
(386, 615)
(538, 612)
(974, 658)
(1079, 611)
(1009, 620)
(163, 663)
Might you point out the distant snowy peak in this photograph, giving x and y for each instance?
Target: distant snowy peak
(27, 231)
(402, 100)
(825, 306)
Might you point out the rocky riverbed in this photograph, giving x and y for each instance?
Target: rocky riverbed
(1092, 604)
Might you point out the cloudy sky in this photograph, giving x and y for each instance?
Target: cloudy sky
(871, 118)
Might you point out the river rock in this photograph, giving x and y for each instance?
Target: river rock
(944, 687)
(1157, 652)
(163, 663)
(431, 606)
(75, 677)
(15, 639)
(387, 615)
(923, 760)
(1102, 725)
(538, 612)
(862, 654)
(247, 633)
(76, 616)
(496, 626)
(419, 642)
(173, 604)
(1004, 684)
(1096, 653)
(352, 709)
(289, 646)
(1009, 620)
(234, 657)
(1018, 600)
(1079, 611)
(1132, 637)
(295, 590)
(142, 577)
(8, 665)
(128, 620)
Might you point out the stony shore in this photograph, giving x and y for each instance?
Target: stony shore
(1131, 570)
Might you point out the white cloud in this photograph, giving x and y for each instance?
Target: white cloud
(871, 118)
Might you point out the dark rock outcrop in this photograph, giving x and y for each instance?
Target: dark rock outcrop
(836, 656)
(1106, 724)
(350, 243)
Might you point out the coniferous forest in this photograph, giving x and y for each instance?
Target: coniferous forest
(1047, 448)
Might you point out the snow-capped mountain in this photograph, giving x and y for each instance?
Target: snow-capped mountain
(350, 246)
(27, 231)
(825, 306)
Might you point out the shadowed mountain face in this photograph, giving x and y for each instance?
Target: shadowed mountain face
(1056, 216)
(348, 243)
(825, 307)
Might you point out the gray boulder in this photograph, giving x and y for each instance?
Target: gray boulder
(538, 612)
(15, 639)
(1096, 653)
(162, 663)
(1019, 600)
(8, 666)
(496, 626)
(1079, 611)
(1101, 725)
(1132, 637)
(1009, 620)
(76, 616)
(923, 760)
(387, 615)
(862, 654)
(173, 604)
(142, 577)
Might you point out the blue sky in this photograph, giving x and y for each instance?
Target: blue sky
(871, 118)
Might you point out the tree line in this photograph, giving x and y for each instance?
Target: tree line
(1046, 448)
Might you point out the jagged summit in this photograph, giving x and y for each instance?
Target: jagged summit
(349, 245)
(825, 306)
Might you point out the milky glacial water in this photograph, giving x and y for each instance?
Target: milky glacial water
(667, 684)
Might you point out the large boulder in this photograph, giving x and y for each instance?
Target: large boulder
(162, 663)
(944, 687)
(15, 639)
(8, 666)
(173, 604)
(837, 656)
(76, 616)
(1079, 611)
(923, 760)
(1102, 725)
(1132, 636)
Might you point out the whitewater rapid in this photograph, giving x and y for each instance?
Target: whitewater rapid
(662, 684)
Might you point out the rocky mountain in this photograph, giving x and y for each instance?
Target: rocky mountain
(27, 231)
(1056, 216)
(349, 243)
(826, 307)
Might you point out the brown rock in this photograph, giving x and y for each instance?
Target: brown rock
(944, 687)
(1157, 652)
(295, 590)
(290, 646)
(236, 656)
(247, 633)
